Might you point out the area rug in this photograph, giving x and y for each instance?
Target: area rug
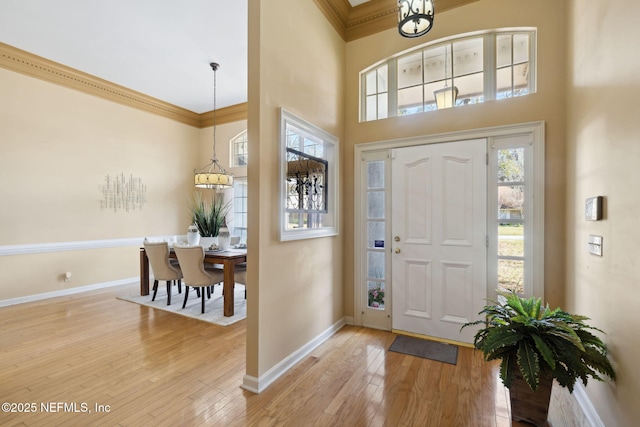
(213, 308)
(441, 352)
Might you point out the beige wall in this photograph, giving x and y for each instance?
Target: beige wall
(300, 288)
(604, 160)
(549, 17)
(57, 147)
(224, 133)
(296, 61)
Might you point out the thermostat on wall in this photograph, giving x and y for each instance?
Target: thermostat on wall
(593, 209)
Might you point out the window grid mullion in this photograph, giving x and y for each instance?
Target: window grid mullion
(513, 67)
(392, 87)
(532, 60)
(490, 68)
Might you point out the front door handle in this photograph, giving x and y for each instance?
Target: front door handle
(397, 250)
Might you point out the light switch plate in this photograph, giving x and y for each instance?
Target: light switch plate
(595, 245)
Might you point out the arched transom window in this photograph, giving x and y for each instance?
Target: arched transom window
(238, 149)
(467, 69)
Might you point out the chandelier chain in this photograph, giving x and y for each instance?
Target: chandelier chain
(213, 175)
(214, 66)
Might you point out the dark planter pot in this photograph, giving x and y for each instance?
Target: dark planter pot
(530, 406)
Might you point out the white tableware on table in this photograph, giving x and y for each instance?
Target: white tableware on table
(193, 236)
(224, 238)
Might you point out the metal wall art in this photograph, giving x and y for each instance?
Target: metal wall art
(122, 193)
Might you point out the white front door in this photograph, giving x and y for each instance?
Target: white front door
(438, 224)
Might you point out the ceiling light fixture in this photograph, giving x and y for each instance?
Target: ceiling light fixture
(415, 17)
(447, 96)
(213, 175)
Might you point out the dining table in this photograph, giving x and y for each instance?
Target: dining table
(228, 258)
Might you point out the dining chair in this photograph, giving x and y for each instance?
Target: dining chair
(240, 276)
(158, 254)
(191, 259)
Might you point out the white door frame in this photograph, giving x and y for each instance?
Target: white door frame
(534, 129)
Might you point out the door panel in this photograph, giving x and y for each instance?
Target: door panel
(418, 297)
(457, 227)
(438, 216)
(417, 215)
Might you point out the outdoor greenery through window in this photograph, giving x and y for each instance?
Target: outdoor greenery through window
(470, 69)
(511, 219)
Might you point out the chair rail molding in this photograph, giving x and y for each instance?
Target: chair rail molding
(39, 248)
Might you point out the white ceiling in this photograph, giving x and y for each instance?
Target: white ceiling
(161, 48)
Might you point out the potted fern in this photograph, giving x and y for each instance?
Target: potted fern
(209, 216)
(535, 346)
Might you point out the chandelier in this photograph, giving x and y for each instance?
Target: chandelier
(415, 17)
(213, 175)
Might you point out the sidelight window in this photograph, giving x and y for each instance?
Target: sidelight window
(516, 218)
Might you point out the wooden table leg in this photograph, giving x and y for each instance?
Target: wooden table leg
(229, 282)
(144, 273)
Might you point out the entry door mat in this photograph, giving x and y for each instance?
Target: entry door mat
(441, 352)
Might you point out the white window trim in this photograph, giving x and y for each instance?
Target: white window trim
(332, 148)
(370, 317)
(238, 181)
(232, 150)
(534, 212)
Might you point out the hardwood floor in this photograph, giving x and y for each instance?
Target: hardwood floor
(122, 364)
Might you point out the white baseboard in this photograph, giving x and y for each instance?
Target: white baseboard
(69, 291)
(585, 405)
(258, 385)
(39, 248)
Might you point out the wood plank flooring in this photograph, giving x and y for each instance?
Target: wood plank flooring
(91, 359)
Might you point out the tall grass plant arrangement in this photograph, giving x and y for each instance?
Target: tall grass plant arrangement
(209, 215)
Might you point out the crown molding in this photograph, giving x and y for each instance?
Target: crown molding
(32, 65)
(350, 22)
(230, 114)
(23, 62)
(337, 13)
(371, 17)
